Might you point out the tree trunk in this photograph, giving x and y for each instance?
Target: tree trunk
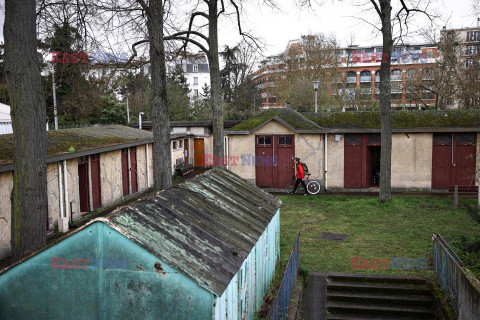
(216, 84)
(385, 193)
(29, 195)
(162, 172)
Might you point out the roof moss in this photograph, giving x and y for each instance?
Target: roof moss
(64, 141)
(400, 119)
(292, 118)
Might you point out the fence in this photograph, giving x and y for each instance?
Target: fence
(280, 304)
(448, 268)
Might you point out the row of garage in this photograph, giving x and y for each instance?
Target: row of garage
(422, 159)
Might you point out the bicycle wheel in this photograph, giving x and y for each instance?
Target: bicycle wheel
(289, 185)
(313, 187)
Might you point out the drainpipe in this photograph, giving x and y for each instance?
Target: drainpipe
(60, 188)
(326, 161)
(67, 213)
(140, 120)
(148, 166)
(228, 159)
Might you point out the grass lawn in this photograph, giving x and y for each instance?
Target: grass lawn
(401, 228)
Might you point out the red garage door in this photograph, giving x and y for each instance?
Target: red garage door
(441, 160)
(285, 152)
(96, 189)
(465, 144)
(263, 161)
(453, 160)
(353, 161)
(83, 184)
(133, 169)
(274, 160)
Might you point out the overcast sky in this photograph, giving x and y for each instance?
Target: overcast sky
(340, 18)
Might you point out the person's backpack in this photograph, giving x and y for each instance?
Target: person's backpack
(305, 168)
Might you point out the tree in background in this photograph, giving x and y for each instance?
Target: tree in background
(201, 105)
(73, 91)
(3, 81)
(109, 111)
(178, 99)
(136, 88)
(239, 91)
(314, 58)
(29, 194)
(469, 82)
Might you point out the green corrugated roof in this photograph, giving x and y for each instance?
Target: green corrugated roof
(205, 227)
(286, 116)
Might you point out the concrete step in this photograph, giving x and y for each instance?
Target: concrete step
(344, 316)
(374, 278)
(380, 298)
(404, 289)
(360, 309)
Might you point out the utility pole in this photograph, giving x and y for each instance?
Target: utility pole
(128, 112)
(315, 86)
(55, 115)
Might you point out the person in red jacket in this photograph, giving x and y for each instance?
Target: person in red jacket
(300, 175)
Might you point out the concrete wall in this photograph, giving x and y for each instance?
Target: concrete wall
(309, 148)
(468, 296)
(6, 185)
(53, 194)
(336, 161)
(73, 188)
(412, 160)
(242, 145)
(111, 176)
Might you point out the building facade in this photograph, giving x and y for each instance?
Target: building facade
(356, 75)
(428, 158)
(195, 68)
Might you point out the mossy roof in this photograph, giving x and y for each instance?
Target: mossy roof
(286, 116)
(71, 141)
(400, 119)
(205, 227)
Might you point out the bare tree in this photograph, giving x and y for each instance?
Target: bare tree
(383, 9)
(29, 195)
(207, 41)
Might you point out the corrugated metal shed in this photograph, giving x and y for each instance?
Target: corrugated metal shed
(205, 227)
(203, 250)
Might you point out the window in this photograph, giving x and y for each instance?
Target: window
(365, 76)
(174, 145)
(195, 92)
(285, 140)
(195, 81)
(442, 138)
(179, 144)
(353, 139)
(473, 36)
(467, 138)
(374, 138)
(264, 140)
(195, 68)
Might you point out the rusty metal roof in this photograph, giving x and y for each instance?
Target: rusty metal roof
(204, 228)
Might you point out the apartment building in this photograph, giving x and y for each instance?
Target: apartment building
(356, 75)
(195, 68)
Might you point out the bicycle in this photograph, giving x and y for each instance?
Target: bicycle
(313, 186)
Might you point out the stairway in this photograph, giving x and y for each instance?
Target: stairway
(361, 296)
